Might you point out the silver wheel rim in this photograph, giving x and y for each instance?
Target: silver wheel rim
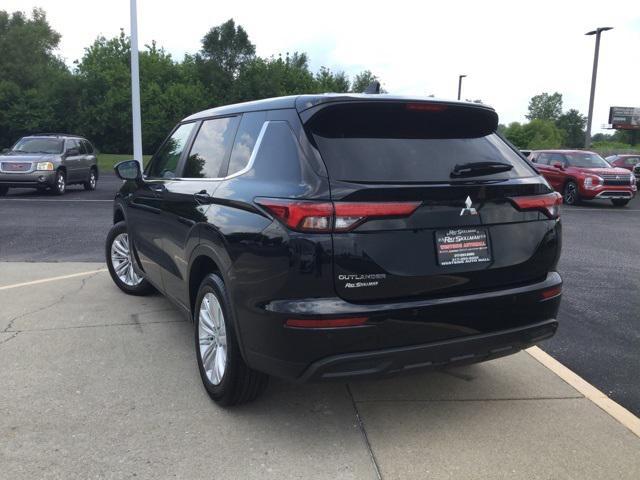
(213, 338)
(122, 262)
(61, 184)
(570, 194)
(92, 180)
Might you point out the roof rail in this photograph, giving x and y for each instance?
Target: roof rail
(54, 135)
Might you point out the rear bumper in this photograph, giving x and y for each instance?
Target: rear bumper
(471, 349)
(33, 179)
(399, 336)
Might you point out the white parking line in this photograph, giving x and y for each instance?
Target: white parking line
(617, 411)
(48, 200)
(52, 279)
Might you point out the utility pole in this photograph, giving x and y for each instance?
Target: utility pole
(596, 32)
(460, 77)
(135, 87)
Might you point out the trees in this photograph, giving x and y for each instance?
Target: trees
(38, 92)
(545, 106)
(536, 134)
(572, 123)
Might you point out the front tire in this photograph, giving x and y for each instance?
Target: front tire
(92, 181)
(120, 260)
(571, 195)
(60, 184)
(619, 202)
(225, 376)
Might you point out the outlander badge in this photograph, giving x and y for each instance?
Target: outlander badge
(468, 210)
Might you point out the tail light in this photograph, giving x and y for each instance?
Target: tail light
(310, 216)
(551, 292)
(326, 322)
(548, 204)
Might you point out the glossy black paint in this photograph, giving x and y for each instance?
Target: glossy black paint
(185, 228)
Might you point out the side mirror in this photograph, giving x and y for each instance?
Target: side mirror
(128, 170)
(557, 165)
(73, 151)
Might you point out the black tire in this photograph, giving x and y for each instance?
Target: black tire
(239, 383)
(619, 202)
(3, 191)
(571, 195)
(92, 181)
(60, 185)
(141, 288)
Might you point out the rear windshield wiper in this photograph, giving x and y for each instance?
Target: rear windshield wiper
(479, 168)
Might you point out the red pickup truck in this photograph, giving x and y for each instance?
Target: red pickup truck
(582, 175)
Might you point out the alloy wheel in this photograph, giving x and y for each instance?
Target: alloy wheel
(122, 261)
(213, 338)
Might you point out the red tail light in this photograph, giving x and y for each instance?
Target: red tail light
(551, 292)
(426, 107)
(312, 216)
(325, 322)
(548, 204)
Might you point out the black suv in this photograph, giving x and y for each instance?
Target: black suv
(334, 236)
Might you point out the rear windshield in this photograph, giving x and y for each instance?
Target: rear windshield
(38, 145)
(409, 142)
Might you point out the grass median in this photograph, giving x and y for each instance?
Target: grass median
(106, 161)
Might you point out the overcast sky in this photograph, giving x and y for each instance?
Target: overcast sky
(510, 50)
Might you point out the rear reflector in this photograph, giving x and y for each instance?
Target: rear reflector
(309, 216)
(325, 322)
(551, 292)
(548, 204)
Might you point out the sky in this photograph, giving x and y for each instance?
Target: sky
(509, 50)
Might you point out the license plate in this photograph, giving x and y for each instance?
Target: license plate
(15, 167)
(462, 246)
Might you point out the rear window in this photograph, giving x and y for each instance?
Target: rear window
(409, 142)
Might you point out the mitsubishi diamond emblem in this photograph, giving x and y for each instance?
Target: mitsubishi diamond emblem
(468, 210)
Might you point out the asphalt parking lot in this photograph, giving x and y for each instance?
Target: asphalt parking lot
(98, 384)
(599, 337)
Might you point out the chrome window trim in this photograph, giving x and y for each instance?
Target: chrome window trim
(247, 167)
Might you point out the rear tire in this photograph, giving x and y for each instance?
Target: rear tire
(225, 376)
(60, 185)
(92, 181)
(3, 191)
(119, 262)
(571, 195)
(617, 202)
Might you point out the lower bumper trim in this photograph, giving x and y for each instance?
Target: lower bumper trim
(459, 351)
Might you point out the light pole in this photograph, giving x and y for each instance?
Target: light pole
(135, 87)
(596, 32)
(460, 77)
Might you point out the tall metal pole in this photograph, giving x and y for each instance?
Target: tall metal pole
(460, 77)
(597, 32)
(135, 87)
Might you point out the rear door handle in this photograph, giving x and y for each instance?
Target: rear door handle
(202, 197)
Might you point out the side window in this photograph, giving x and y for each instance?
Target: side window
(543, 159)
(211, 148)
(632, 161)
(165, 161)
(557, 158)
(70, 143)
(246, 138)
(87, 146)
(83, 148)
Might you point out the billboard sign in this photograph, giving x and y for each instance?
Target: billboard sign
(624, 118)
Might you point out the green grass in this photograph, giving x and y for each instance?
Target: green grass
(106, 161)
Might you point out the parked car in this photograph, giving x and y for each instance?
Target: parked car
(627, 161)
(525, 153)
(49, 161)
(326, 237)
(581, 175)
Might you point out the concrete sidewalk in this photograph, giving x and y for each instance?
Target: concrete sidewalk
(97, 384)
